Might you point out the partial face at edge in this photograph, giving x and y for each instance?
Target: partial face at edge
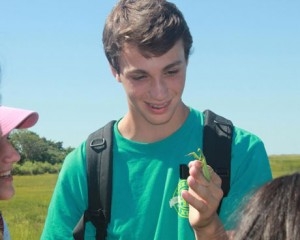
(8, 156)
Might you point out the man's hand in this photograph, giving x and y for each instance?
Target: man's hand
(204, 197)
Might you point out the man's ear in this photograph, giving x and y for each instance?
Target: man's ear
(115, 73)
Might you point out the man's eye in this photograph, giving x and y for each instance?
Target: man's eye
(172, 72)
(139, 77)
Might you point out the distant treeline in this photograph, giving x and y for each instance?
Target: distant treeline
(38, 155)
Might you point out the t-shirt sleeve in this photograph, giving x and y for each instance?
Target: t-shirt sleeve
(69, 199)
(250, 169)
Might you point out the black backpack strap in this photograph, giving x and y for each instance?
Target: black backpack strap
(217, 138)
(99, 179)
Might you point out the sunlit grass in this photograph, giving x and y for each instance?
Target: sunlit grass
(25, 213)
(284, 164)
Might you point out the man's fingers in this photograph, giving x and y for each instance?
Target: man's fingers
(196, 202)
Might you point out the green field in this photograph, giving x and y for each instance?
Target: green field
(284, 164)
(26, 212)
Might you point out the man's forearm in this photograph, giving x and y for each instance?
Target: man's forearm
(213, 231)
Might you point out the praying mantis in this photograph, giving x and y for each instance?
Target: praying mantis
(200, 157)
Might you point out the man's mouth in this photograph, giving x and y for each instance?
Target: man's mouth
(159, 106)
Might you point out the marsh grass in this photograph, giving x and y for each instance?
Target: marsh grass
(26, 212)
(284, 164)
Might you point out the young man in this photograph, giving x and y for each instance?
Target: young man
(147, 44)
(10, 119)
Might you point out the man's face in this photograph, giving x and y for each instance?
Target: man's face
(154, 86)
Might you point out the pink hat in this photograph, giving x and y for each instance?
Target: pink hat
(12, 118)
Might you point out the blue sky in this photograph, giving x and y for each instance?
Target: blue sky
(245, 65)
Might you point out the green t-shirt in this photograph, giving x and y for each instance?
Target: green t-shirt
(146, 201)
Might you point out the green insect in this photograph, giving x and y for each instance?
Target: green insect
(200, 156)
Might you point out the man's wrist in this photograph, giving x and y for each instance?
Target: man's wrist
(214, 230)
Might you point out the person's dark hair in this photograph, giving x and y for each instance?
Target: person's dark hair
(154, 26)
(273, 212)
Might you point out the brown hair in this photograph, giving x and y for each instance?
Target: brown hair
(273, 212)
(153, 26)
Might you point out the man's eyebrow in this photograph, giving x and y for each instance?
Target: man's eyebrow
(141, 71)
(137, 71)
(174, 64)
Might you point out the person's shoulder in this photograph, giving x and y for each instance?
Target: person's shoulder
(74, 165)
(79, 150)
(247, 145)
(76, 156)
(241, 135)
